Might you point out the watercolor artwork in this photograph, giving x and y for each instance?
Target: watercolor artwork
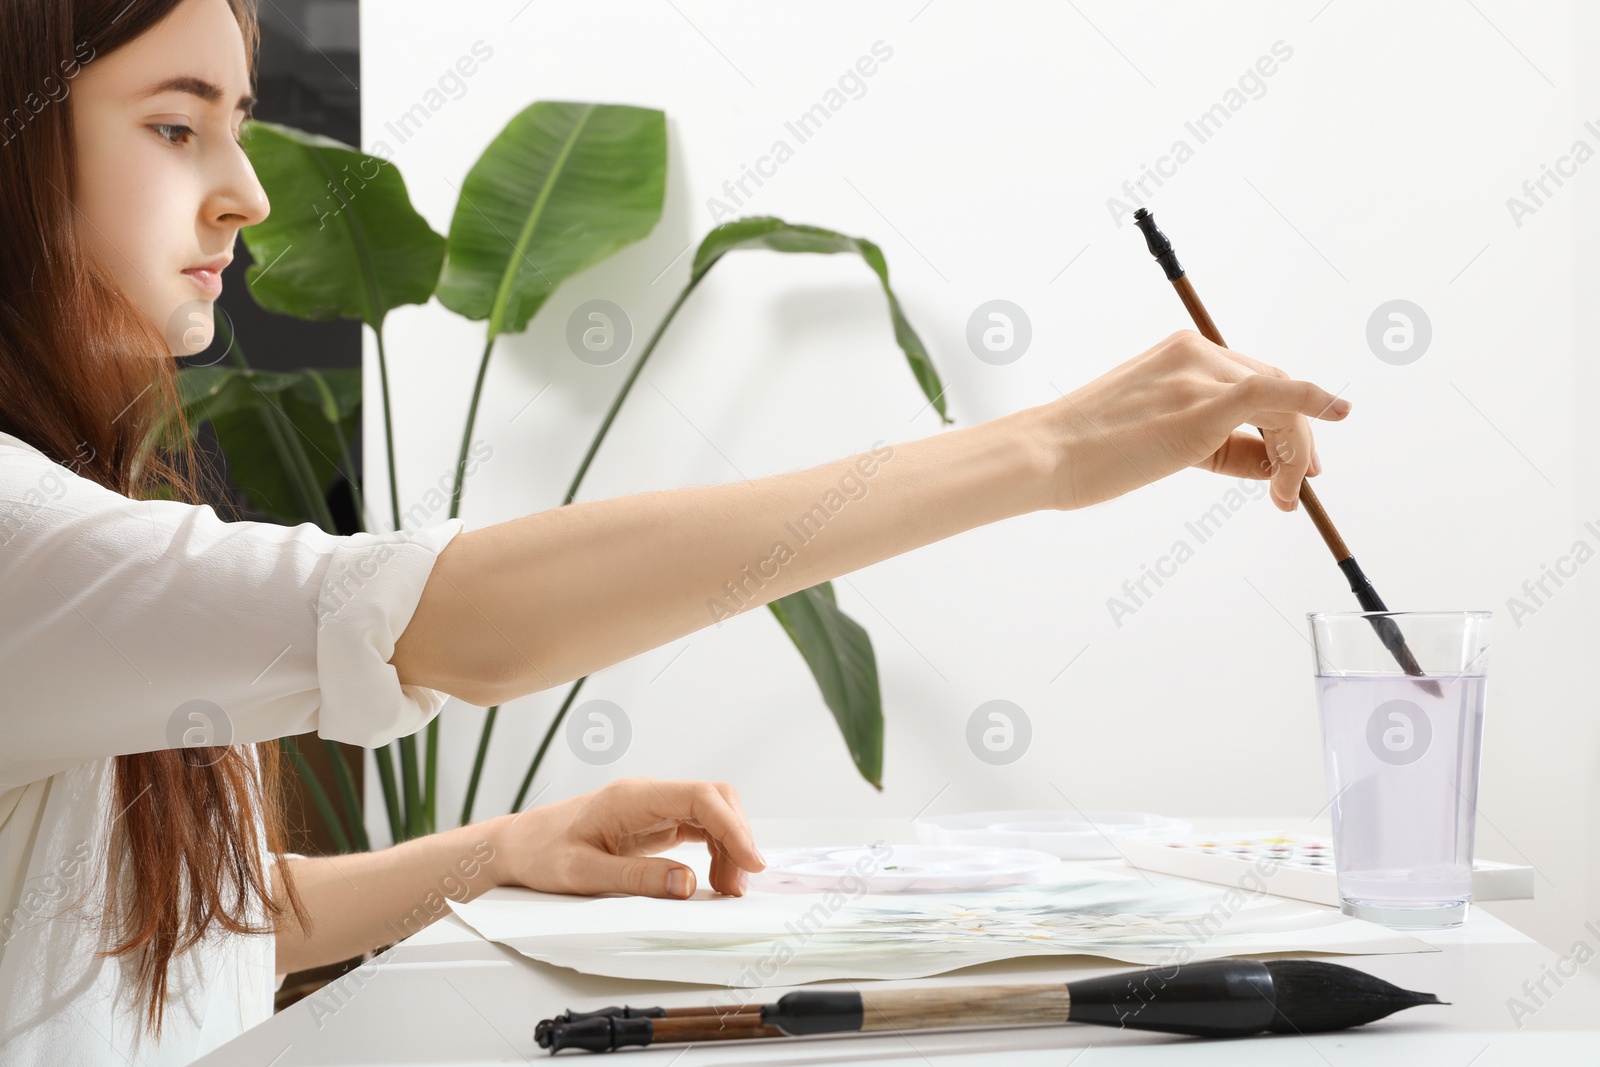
(792, 938)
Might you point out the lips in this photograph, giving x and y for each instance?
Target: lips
(208, 274)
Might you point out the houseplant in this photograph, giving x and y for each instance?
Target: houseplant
(563, 186)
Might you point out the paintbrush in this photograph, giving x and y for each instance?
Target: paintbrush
(1215, 998)
(1387, 629)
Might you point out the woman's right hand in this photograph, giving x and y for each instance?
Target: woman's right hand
(1180, 404)
(605, 841)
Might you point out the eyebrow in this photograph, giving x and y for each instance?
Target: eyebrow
(210, 92)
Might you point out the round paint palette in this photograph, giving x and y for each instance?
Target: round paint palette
(897, 868)
(1069, 835)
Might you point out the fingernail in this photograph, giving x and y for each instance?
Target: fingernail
(1341, 406)
(678, 882)
(1316, 462)
(744, 882)
(760, 857)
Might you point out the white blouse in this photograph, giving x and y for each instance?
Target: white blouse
(131, 626)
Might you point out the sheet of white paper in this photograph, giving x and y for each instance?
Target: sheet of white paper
(765, 938)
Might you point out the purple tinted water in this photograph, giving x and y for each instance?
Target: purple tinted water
(1403, 767)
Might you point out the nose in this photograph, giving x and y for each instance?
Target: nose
(237, 198)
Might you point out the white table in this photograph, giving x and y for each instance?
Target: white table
(446, 996)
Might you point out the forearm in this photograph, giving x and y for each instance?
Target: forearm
(528, 604)
(360, 901)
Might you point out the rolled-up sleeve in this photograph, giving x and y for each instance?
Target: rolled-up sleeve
(130, 626)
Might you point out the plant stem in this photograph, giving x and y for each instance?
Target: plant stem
(319, 796)
(388, 428)
(347, 793)
(384, 760)
(627, 385)
(408, 779)
(349, 471)
(466, 437)
(572, 493)
(455, 510)
(477, 764)
(538, 757)
(430, 776)
(399, 828)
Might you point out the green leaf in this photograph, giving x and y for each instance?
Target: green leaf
(342, 239)
(780, 236)
(209, 391)
(834, 646)
(839, 653)
(237, 404)
(563, 186)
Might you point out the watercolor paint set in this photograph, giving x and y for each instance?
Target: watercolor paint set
(1288, 864)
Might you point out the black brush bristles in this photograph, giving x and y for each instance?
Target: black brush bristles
(1313, 996)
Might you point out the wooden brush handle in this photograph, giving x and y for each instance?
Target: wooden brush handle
(1197, 311)
(710, 1009)
(1006, 1005)
(739, 1027)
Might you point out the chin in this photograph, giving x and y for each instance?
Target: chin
(190, 327)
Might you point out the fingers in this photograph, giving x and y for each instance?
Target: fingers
(726, 877)
(1280, 408)
(1270, 388)
(726, 874)
(708, 811)
(1242, 455)
(642, 876)
(1292, 451)
(1238, 389)
(715, 808)
(603, 842)
(1263, 394)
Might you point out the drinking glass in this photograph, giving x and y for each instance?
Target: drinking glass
(1401, 753)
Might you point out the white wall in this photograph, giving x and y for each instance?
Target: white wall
(1376, 165)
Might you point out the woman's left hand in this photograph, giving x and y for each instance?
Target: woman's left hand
(602, 842)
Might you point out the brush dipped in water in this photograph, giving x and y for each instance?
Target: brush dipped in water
(1215, 998)
(1387, 629)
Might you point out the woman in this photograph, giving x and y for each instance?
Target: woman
(145, 894)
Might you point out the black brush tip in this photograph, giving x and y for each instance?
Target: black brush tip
(1313, 996)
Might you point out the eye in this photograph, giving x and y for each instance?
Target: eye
(165, 132)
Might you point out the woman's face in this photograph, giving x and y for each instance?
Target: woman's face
(163, 186)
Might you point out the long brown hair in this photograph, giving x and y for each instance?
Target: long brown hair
(87, 379)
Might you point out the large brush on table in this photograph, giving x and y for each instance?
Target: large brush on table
(1214, 998)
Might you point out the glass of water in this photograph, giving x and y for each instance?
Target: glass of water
(1401, 753)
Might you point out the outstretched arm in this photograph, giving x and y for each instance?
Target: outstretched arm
(528, 604)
